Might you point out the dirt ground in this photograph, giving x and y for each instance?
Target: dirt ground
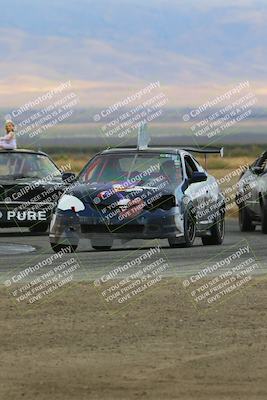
(160, 347)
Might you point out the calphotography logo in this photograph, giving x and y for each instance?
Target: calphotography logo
(123, 119)
(41, 280)
(131, 277)
(222, 277)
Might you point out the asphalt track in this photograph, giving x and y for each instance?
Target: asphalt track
(19, 249)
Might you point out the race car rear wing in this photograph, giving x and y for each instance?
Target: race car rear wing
(206, 151)
(144, 138)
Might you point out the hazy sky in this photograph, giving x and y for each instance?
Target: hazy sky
(108, 48)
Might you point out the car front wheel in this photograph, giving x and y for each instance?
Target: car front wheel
(216, 233)
(189, 233)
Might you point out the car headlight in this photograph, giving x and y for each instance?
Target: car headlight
(69, 202)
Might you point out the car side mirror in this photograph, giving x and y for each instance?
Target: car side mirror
(68, 177)
(257, 170)
(198, 177)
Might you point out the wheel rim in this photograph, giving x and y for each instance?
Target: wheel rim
(191, 228)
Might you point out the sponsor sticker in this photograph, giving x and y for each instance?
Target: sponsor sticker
(24, 215)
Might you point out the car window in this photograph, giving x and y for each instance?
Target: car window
(26, 165)
(199, 167)
(261, 162)
(264, 166)
(254, 163)
(126, 163)
(141, 169)
(190, 166)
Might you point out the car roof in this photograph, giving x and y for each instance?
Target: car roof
(26, 151)
(127, 150)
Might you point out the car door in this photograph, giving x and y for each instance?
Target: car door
(197, 192)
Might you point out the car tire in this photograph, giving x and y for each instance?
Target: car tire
(264, 218)
(101, 248)
(39, 228)
(245, 221)
(189, 233)
(57, 248)
(217, 232)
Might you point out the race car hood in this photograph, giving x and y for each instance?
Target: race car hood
(121, 195)
(30, 190)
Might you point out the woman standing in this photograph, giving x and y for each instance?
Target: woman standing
(9, 140)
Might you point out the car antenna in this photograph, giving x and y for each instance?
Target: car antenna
(143, 137)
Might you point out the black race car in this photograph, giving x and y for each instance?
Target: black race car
(251, 196)
(30, 185)
(142, 193)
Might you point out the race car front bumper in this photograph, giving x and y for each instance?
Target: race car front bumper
(69, 227)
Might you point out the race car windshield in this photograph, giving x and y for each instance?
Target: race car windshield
(26, 165)
(136, 169)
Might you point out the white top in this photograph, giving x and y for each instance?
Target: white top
(8, 141)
